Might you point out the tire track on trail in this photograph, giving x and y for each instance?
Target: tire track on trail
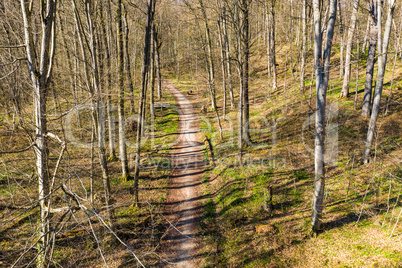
(184, 188)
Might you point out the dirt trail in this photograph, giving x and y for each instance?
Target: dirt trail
(187, 165)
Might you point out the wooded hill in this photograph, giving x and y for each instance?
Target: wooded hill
(299, 100)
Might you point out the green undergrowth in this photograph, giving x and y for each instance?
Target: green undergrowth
(362, 202)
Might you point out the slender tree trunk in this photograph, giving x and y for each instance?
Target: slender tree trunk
(40, 70)
(346, 79)
(158, 64)
(272, 44)
(370, 60)
(382, 63)
(245, 54)
(110, 117)
(342, 43)
(304, 45)
(128, 62)
(144, 72)
(210, 66)
(99, 109)
(152, 75)
(357, 73)
(268, 33)
(390, 88)
(366, 33)
(223, 59)
(322, 68)
(120, 84)
(227, 52)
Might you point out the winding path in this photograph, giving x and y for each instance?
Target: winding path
(187, 165)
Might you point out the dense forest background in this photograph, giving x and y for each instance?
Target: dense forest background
(299, 109)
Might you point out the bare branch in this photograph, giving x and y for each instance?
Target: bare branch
(17, 46)
(18, 151)
(14, 61)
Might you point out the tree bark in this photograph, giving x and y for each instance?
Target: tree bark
(370, 59)
(40, 70)
(341, 45)
(346, 79)
(210, 66)
(245, 55)
(382, 63)
(227, 52)
(120, 67)
(99, 111)
(223, 58)
(144, 82)
(322, 68)
(128, 62)
(110, 117)
(304, 45)
(272, 44)
(158, 64)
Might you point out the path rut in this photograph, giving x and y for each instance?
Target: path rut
(187, 164)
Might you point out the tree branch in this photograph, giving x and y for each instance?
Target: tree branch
(17, 46)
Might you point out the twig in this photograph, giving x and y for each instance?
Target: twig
(16, 46)
(18, 151)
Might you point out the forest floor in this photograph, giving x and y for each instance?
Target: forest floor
(183, 197)
(363, 202)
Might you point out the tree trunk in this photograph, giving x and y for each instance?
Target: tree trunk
(127, 62)
(99, 111)
(40, 70)
(210, 66)
(245, 54)
(152, 75)
(227, 52)
(392, 83)
(158, 64)
(341, 45)
(144, 72)
(357, 73)
(223, 59)
(346, 79)
(110, 117)
(304, 45)
(370, 60)
(120, 67)
(382, 63)
(272, 44)
(322, 67)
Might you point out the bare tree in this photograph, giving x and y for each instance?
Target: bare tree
(304, 44)
(373, 37)
(271, 42)
(382, 63)
(128, 61)
(322, 68)
(120, 67)
(40, 69)
(346, 79)
(144, 82)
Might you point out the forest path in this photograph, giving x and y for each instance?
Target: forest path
(184, 188)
